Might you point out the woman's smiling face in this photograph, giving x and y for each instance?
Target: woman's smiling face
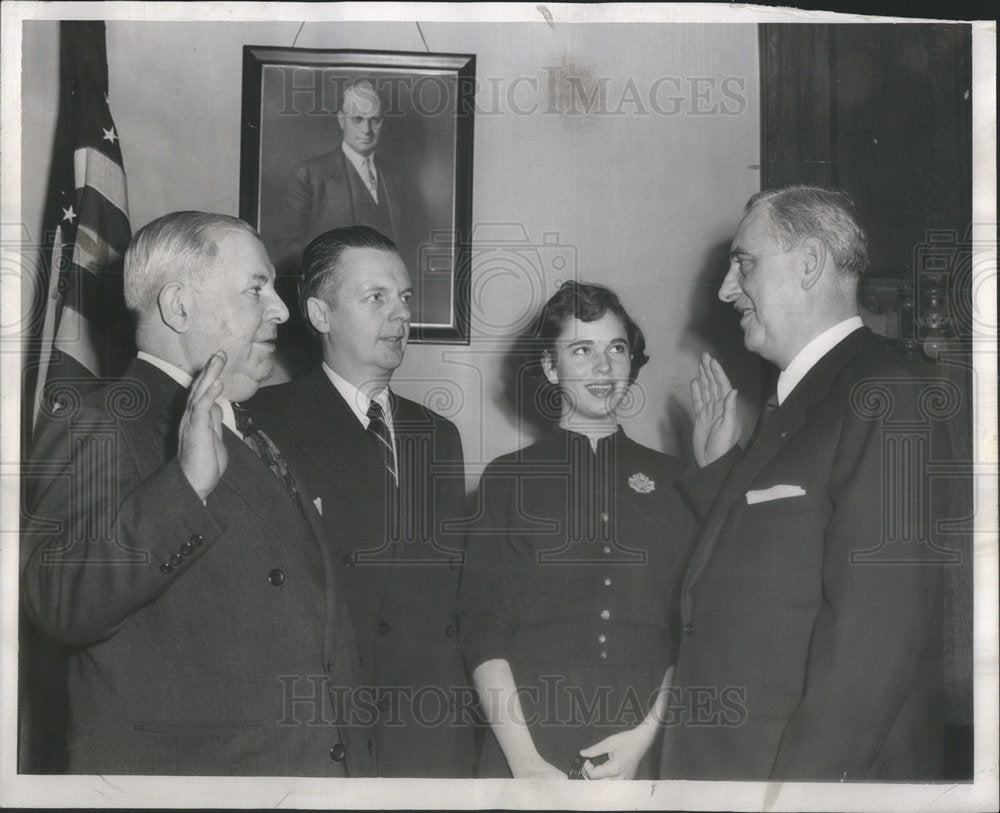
(590, 365)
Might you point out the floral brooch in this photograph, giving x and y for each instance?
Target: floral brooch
(641, 483)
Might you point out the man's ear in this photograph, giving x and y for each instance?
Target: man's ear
(814, 258)
(549, 367)
(319, 314)
(173, 304)
(340, 121)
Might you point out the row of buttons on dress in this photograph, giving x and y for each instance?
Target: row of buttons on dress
(605, 614)
(186, 550)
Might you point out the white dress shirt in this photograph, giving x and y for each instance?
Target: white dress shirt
(809, 355)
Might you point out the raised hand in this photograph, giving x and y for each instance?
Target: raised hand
(716, 420)
(200, 448)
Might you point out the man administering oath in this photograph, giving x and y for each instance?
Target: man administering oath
(811, 645)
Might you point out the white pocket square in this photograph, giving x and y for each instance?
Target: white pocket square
(778, 492)
(318, 502)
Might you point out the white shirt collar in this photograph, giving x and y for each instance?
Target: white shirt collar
(182, 378)
(809, 355)
(358, 160)
(358, 401)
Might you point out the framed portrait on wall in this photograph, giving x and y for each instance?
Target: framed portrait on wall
(335, 138)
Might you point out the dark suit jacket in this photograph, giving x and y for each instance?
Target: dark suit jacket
(811, 633)
(401, 593)
(204, 635)
(319, 197)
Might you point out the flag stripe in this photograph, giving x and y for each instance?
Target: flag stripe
(94, 169)
(92, 253)
(109, 220)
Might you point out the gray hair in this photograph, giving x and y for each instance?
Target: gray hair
(799, 212)
(364, 88)
(177, 247)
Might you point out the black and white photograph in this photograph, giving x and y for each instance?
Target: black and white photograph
(428, 405)
(339, 138)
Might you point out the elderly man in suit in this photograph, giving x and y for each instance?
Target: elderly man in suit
(344, 187)
(168, 546)
(811, 609)
(387, 475)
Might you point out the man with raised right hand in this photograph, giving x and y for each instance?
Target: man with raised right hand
(168, 545)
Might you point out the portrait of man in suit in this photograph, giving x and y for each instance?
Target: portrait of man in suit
(811, 645)
(169, 548)
(386, 474)
(343, 187)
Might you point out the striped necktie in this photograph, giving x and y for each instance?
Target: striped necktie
(379, 433)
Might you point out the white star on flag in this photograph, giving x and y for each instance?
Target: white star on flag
(69, 214)
(110, 135)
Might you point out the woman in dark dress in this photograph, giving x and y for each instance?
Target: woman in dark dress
(569, 606)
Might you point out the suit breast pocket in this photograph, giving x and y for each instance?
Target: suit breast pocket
(781, 545)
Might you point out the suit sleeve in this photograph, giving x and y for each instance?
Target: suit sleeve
(700, 486)
(100, 538)
(878, 624)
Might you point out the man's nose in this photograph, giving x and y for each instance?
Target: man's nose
(276, 308)
(730, 289)
(401, 310)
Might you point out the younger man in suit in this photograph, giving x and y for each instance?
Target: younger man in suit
(387, 474)
(811, 610)
(168, 546)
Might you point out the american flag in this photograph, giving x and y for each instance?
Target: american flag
(85, 334)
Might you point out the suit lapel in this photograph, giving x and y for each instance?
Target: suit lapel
(780, 429)
(245, 477)
(339, 445)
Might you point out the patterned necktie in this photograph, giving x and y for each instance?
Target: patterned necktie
(264, 448)
(379, 433)
(370, 178)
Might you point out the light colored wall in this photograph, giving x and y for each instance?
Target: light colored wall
(644, 201)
